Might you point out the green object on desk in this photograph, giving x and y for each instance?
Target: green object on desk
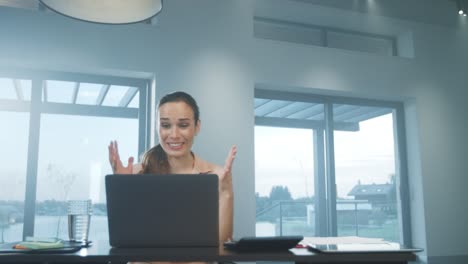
(39, 245)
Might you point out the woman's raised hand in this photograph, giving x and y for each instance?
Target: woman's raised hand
(225, 176)
(116, 163)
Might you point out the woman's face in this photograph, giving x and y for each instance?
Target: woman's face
(177, 128)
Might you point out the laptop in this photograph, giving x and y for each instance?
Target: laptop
(178, 210)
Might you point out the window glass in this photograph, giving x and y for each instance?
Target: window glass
(26, 89)
(115, 95)
(284, 180)
(365, 173)
(324, 36)
(135, 103)
(290, 32)
(59, 91)
(14, 155)
(88, 93)
(7, 89)
(73, 160)
(292, 176)
(286, 168)
(356, 42)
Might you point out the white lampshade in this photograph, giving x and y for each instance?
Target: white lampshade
(106, 11)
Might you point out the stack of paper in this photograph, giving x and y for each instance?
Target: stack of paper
(340, 240)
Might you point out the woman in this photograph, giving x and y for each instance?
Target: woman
(178, 122)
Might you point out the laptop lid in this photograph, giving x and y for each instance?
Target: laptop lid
(178, 210)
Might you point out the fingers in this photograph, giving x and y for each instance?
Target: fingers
(116, 163)
(116, 148)
(230, 158)
(130, 164)
(110, 152)
(112, 159)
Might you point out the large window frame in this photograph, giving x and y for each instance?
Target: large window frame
(325, 180)
(322, 36)
(36, 107)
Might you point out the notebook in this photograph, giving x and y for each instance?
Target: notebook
(65, 247)
(383, 247)
(179, 210)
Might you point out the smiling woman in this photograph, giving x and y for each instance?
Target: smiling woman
(178, 123)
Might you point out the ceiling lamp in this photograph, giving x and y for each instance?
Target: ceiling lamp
(106, 11)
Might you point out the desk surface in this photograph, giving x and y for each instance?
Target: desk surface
(102, 252)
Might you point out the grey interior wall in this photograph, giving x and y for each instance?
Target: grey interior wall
(206, 47)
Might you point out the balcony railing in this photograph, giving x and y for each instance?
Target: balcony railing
(355, 217)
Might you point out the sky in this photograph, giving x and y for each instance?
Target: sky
(72, 150)
(285, 156)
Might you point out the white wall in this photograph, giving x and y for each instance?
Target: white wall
(206, 47)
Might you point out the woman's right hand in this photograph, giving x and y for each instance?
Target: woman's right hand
(116, 163)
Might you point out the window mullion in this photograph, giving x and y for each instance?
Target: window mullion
(320, 201)
(143, 116)
(33, 153)
(402, 186)
(330, 172)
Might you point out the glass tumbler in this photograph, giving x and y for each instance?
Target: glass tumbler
(79, 218)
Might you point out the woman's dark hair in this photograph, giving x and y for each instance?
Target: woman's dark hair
(182, 97)
(154, 161)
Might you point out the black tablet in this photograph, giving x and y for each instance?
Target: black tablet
(270, 243)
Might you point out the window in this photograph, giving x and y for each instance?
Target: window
(73, 167)
(13, 153)
(304, 144)
(339, 38)
(14, 116)
(284, 182)
(290, 32)
(379, 45)
(55, 146)
(365, 173)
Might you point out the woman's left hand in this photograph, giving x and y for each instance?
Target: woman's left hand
(225, 175)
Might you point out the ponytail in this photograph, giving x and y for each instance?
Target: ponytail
(154, 161)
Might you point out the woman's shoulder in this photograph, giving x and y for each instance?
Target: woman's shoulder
(137, 168)
(203, 166)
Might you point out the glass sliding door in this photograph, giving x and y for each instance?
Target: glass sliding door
(78, 120)
(54, 146)
(15, 97)
(13, 154)
(287, 166)
(365, 173)
(73, 160)
(284, 182)
(350, 152)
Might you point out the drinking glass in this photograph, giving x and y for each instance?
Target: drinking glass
(79, 218)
